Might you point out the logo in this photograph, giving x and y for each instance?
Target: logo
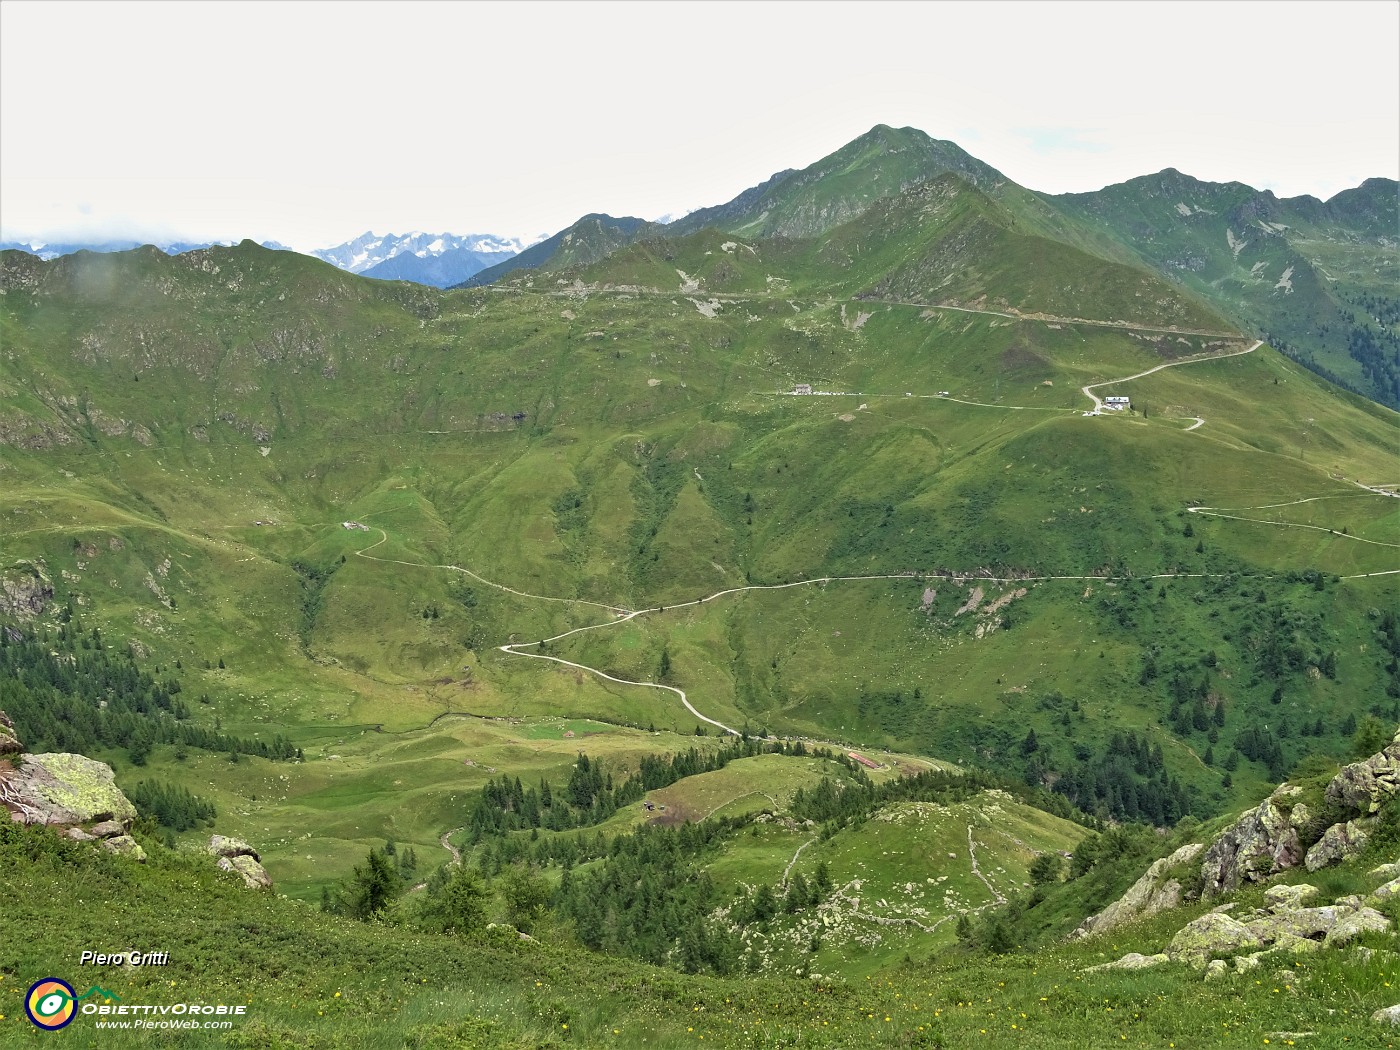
(52, 1004)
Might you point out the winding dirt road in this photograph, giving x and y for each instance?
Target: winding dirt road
(1098, 403)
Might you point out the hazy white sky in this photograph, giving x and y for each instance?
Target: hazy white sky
(310, 123)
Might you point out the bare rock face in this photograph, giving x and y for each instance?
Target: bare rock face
(1338, 842)
(1149, 895)
(25, 590)
(237, 856)
(1260, 843)
(64, 790)
(9, 739)
(1364, 786)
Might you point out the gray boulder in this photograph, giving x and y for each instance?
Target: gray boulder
(1211, 934)
(1384, 893)
(1385, 871)
(227, 846)
(1388, 1015)
(238, 857)
(1149, 895)
(1353, 925)
(1298, 922)
(126, 846)
(1338, 842)
(65, 790)
(1283, 898)
(25, 590)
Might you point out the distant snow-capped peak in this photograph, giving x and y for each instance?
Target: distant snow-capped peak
(370, 249)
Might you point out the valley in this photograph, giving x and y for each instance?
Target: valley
(860, 589)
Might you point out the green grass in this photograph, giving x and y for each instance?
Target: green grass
(488, 431)
(314, 980)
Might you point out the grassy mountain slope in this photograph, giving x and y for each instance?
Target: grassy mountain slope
(940, 242)
(633, 449)
(312, 980)
(1318, 277)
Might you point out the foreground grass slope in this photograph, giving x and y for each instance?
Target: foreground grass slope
(309, 980)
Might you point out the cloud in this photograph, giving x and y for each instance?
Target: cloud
(1045, 140)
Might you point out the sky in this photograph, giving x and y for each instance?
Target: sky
(310, 123)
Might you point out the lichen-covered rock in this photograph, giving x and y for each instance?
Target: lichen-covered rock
(1211, 934)
(1338, 842)
(1131, 961)
(1387, 1015)
(237, 856)
(9, 739)
(1385, 871)
(1363, 786)
(227, 846)
(64, 789)
(1260, 843)
(1354, 924)
(1282, 898)
(1385, 892)
(106, 829)
(126, 846)
(1215, 969)
(1288, 944)
(1148, 896)
(255, 877)
(1298, 922)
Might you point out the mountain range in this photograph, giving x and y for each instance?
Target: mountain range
(799, 615)
(438, 260)
(1317, 278)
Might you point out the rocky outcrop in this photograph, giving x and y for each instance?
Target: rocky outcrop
(1363, 787)
(1149, 895)
(9, 739)
(1338, 842)
(63, 789)
(1282, 930)
(25, 590)
(1278, 833)
(1261, 843)
(237, 856)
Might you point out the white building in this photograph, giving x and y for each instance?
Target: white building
(1116, 404)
